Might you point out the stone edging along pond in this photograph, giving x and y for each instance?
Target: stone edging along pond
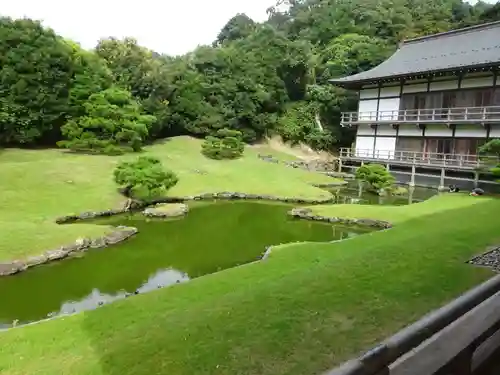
(307, 213)
(120, 234)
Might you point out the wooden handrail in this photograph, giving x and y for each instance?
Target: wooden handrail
(415, 157)
(432, 115)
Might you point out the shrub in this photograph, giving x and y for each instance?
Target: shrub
(378, 178)
(113, 123)
(143, 178)
(490, 155)
(226, 144)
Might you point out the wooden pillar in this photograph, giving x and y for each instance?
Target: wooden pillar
(441, 180)
(340, 165)
(412, 178)
(476, 179)
(388, 167)
(410, 194)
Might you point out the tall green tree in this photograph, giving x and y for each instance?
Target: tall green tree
(90, 75)
(238, 27)
(142, 72)
(35, 77)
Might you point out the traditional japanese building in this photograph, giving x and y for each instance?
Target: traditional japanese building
(433, 102)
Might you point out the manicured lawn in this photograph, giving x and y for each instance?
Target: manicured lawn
(37, 186)
(301, 311)
(397, 214)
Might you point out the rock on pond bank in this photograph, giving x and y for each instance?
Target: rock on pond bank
(307, 213)
(118, 234)
(166, 210)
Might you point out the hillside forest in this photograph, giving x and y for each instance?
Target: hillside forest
(261, 79)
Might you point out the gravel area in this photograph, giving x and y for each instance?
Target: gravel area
(491, 258)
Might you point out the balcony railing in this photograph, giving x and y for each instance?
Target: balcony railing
(419, 158)
(424, 116)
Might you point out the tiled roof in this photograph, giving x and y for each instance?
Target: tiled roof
(464, 48)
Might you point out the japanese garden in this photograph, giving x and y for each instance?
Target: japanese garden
(189, 215)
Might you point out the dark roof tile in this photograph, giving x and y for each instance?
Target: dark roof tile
(473, 46)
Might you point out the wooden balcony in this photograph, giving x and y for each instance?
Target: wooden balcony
(430, 159)
(469, 115)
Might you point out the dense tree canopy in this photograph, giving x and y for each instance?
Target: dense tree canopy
(258, 79)
(35, 78)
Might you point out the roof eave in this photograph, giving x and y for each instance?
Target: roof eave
(358, 83)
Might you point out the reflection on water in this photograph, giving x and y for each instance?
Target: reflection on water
(354, 193)
(97, 298)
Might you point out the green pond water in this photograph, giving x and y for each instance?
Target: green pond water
(353, 193)
(212, 237)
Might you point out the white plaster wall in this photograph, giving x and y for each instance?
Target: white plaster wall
(410, 130)
(477, 74)
(438, 131)
(413, 81)
(385, 147)
(389, 91)
(445, 85)
(365, 130)
(420, 87)
(463, 131)
(388, 109)
(368, 109)
(495, 131)
(364, 146)
(477, 82)
(384, 130)
(368, 93)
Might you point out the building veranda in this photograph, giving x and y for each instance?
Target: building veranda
(431, 104)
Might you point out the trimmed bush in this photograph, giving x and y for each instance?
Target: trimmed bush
(226, 144)
(143, 178)
(378, 178)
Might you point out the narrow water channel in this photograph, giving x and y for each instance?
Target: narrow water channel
(212, 237)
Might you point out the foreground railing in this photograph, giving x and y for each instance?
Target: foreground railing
(457, 339)
(423, 116)
(417, 157)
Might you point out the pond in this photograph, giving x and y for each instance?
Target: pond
(212, 237)
(353, 193)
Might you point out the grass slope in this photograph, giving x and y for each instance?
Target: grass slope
(301, 311)
(397, 214)
(37, 186)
